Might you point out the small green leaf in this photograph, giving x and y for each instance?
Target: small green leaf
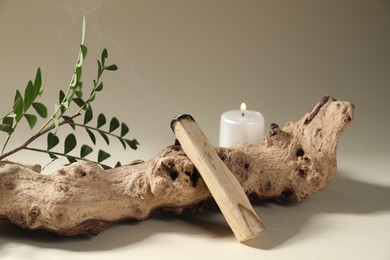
(31, 119)
(132, 143)
(112, 67)
(29, 96)
(18, 106)
(105, 137)
(122, 142)
(52, 140)
(79, 87)
(6, 128)
(76, 78)
(80, 60)
(73, 83)
(78, 73)
(101, 120)
(65, 104)
(70, 122)
(92, 97)
(104, 56)
(91, 135)
(114, 124)
(118, 164)
(79, 93)
(100, 68)
(84, 50)
(71, 159)
(88, 115)
(99, 87)
(38, 83)
(79, 102)
(61, 97)
(105, 167)
(102, 155)
(53, 156)
(85, 150)
(124, 129)
(70, 143)
(8, 120)
(41, 109)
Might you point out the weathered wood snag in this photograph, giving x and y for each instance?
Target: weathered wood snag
(294, 162)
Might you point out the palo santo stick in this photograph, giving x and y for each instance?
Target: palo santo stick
(223, 185)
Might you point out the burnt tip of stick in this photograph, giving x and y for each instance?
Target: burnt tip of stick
(180, 118)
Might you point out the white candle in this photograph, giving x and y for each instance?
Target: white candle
(241, 126)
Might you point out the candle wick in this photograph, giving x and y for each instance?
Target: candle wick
(243, 113)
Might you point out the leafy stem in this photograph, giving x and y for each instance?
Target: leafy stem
(34, 137)
(21, 108)
(74, 86)
(73, 94)
(7, 128)
(56, 153)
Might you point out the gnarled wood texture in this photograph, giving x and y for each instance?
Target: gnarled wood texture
(294, 162)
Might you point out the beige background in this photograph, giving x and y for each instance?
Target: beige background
(206, 57)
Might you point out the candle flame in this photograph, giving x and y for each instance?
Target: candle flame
(243, 108)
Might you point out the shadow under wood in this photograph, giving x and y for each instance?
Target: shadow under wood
(283, 221)
(209, 224)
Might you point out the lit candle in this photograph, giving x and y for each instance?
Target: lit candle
(241, 126)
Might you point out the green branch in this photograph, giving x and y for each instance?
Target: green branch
(72, 95)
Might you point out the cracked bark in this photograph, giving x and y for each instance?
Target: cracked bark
(294, 162)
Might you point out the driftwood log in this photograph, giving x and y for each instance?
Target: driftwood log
(294, 162)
